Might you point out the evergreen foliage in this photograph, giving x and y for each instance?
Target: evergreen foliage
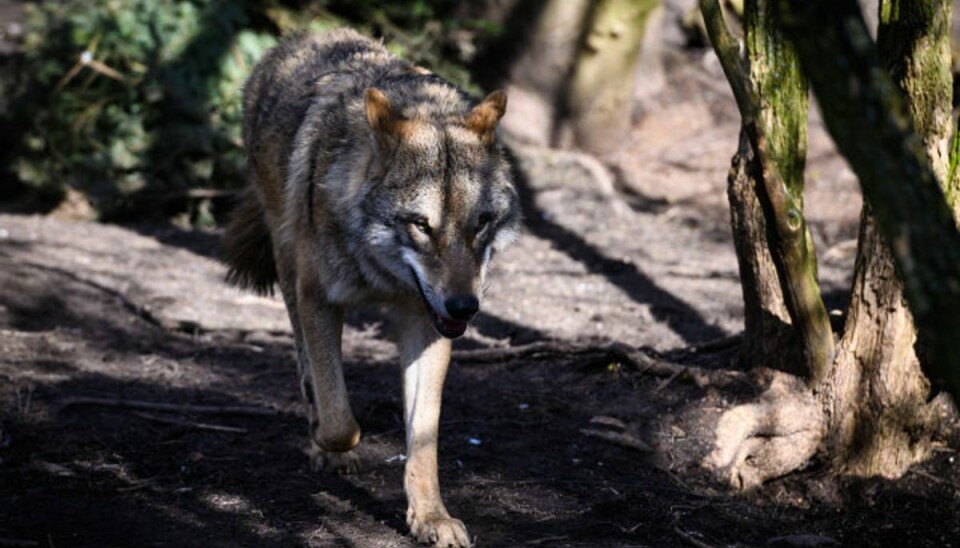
(130, 100)
(136, 104)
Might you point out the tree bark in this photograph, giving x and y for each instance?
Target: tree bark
(769, 337)
(878, 421)
(871, 124)
(597, 105)
(767, 328)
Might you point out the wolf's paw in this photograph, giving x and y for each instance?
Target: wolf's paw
(330, 462)
(440, 531)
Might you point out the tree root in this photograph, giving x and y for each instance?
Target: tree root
(770, 438)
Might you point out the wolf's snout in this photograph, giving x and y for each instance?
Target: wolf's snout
(462, 307)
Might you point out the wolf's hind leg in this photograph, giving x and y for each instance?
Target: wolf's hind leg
(425, 356)
(333, 427)
(321, 458)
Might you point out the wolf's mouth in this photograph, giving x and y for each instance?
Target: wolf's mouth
(448, 327)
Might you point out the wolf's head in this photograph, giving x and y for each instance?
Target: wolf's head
(443, 201)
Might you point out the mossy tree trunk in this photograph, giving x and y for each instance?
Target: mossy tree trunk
(869, 413)
(596, 107)
(774, 247)
(873, 127)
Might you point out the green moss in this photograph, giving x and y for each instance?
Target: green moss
(780, 88)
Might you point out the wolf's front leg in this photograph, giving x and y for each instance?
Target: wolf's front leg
(425, 356)
(333, 429)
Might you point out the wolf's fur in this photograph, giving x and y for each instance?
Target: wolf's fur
(371, 181)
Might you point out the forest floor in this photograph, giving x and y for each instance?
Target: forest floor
(526, 457)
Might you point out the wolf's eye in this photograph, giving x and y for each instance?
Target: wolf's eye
(422, 226)
(484, 221)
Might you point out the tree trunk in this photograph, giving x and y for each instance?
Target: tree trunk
(873, 128)
(597, 105)
(875, 396)
(784, 428)
(871, 411)
(880, 420)
(768, 170)
(781, 142)
(540, 69)
(767, 327)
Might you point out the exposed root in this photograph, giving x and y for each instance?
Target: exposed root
(770, 438)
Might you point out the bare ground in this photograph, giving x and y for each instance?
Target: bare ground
(537, 448)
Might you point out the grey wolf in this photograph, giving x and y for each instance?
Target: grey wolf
(371, 181)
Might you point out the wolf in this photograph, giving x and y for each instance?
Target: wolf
(371, 181)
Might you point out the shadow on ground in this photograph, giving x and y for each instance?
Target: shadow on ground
(96, 476)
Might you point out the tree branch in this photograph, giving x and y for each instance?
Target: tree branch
(730, 52)
(169, 407)
(600, 353)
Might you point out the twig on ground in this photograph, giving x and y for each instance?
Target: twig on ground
(668, 380)
(17, 542)
(935, 479)
(604, 352)
(722, 343)
(542, 540)
(690, 539)
(191, 424)
(23, 401)
(618, 438)
(541, 349)
(168, 407)
(137, 485)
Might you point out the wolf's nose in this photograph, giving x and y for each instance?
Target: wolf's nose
(462, 307)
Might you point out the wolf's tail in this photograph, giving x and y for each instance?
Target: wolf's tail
(247, 248)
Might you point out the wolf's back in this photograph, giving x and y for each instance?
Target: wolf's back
(300, 69)
(276, 100)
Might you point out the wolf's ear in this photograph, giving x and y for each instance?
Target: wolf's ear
(483, 119)
(381, 115)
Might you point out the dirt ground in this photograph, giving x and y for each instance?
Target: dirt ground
(141, 313)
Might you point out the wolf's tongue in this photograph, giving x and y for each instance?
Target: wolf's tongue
(454, 325)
